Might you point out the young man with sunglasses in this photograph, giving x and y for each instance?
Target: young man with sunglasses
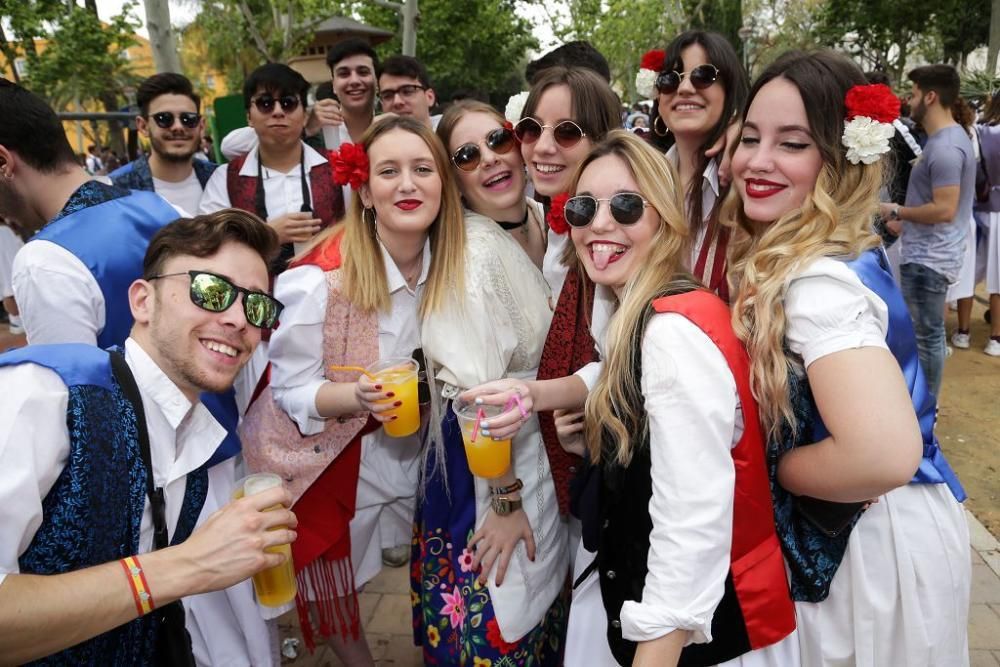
(404, 88)
(70, 280)
(169, 118)
(283, 180)
(103, 464)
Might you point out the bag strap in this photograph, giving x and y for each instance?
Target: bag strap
(126, 380)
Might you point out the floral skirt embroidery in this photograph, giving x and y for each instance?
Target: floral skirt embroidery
(453, 617)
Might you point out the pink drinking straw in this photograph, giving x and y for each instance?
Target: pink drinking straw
(475, 427)
(516, 400)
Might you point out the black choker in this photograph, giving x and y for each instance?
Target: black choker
(514, 225)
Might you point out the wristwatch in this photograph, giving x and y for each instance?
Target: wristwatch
(503, 505)
(894, 212)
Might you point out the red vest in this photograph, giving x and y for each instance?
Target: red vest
(327, 198)
(756, 609)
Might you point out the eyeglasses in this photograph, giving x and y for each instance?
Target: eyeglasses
(468, 156)
(701, 77)
(566, 133)
(215, 294)
(165, 119)
(265, 103)
(409, 90)
(626, 208)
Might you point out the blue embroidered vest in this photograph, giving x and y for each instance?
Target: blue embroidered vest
(130, 222)
(93, 512)
(812, 556)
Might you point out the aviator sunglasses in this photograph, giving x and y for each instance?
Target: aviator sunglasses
(566, 133)
(626, 208)
(701, 77)
(165, 119)
(468, 156)
(215, 294)
(265, 103)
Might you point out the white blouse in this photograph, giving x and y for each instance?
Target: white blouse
(828, 309)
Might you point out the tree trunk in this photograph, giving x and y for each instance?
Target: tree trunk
(161, 36)
(10, 54)
(115, 139)
(994, 47)
(410, 16)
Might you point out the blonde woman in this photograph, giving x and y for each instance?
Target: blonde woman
(868, 513)
(355, 297)
(489, 575)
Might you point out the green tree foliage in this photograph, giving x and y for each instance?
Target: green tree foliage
(473, 47)
(722, 16)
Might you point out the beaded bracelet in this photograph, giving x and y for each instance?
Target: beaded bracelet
(140, 589)
(505, 490)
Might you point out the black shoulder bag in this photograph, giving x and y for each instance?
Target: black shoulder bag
(173, 643)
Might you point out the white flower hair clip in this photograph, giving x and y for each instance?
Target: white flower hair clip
(649, 69)
(515, 105)
(871, 110)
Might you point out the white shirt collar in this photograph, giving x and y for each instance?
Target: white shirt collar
(710, 175)
(395, 278)
(312, 158)
(155, 384)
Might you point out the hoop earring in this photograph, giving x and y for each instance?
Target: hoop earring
(666, 130)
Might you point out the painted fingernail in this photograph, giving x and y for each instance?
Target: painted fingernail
(485, 423)
(486, 432)
(389, 394)
(397, 403)
(394, 418)
(479, 400)
(378, 386)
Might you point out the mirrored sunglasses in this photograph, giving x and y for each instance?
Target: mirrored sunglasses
(701, 77)
(215, 294)
(626, 208)
(566, 133)
(165, 119)
(265, 103)
(468, 156)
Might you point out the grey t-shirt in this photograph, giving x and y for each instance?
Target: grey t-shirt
(947, 159)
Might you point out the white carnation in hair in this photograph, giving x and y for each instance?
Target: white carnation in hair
(515, 105)
(645, 83)
(866, 139)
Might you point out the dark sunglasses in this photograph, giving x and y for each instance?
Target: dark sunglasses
(265, 103)
(626, 208)
(165, 119)
(215, 294)
(468, 156)
(701, 77)
(566, 133)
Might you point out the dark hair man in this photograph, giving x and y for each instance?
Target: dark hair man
(169, 117)
(341, 118)
(934, 221)
(570, 54)
(283, 180)
(404, 88)
(84, 568)
(70, 280)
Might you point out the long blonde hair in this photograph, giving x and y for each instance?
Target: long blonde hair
(615, 403)
(835, 220)
(365, 282)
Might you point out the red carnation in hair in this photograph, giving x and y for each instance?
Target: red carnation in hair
(875, 101)
(350, 165)
(509, 125)
(556, 216)
(653, 60)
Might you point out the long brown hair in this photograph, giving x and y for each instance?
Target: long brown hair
(834, 220)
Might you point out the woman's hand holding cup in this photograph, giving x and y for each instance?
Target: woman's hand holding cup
(374, 399)
(503, 392)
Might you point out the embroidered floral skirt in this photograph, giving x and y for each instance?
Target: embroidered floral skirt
(453, 617)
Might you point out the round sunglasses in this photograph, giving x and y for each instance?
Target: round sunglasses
(165, 119)
(265, 103)
(701, 77)
(216, 293)
(468, 156)
(626, 208)
(566, 133)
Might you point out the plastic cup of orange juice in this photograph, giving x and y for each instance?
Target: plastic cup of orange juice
(487, 457)
(274, 586)
(399, 375)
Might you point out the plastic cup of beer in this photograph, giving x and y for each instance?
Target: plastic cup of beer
(274, 586)
(487, 457)
(399, 376)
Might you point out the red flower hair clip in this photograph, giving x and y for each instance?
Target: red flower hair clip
(870, 112)
(556, 216)
(350, 165)
(649, 68)
(653, 59)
